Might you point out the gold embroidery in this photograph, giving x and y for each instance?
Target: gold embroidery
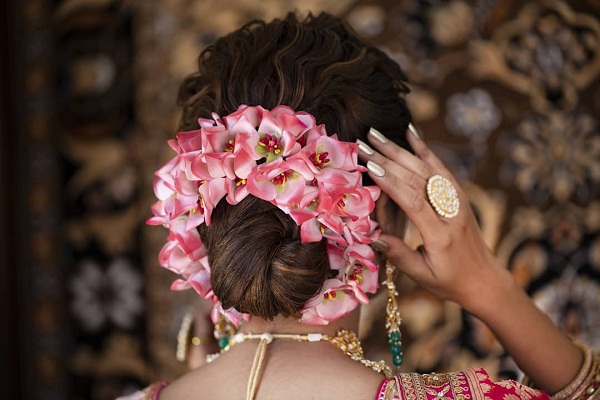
(460, 389)
(478, 388)
(408, 387)
(419, 387)
(467, 385)
(439, 395)
(397, 382)
(390, 393)
(450, 386)
(435, 380)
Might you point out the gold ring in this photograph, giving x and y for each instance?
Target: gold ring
(443, 196)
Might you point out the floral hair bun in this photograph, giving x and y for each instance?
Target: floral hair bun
(283, 157)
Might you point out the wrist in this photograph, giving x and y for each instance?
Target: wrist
(493, 292)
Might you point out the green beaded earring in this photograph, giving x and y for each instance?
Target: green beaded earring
(223, 331)
(393, 320)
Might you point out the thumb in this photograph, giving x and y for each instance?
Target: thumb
(409, 261)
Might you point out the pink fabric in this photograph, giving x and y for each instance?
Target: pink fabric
(472, 384)
(152, 392)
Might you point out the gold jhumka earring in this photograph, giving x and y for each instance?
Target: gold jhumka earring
(393, 320)
(224, 330)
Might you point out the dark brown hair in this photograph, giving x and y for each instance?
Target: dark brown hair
(258, 264)
(317, 65)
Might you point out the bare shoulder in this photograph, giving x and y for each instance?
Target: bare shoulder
(286, 375)
(224, 378)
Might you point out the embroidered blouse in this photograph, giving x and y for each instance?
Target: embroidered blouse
(472, 384)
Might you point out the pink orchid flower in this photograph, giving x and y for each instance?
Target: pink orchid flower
(189, 240)
(253, 114)
(200, 282)
(355, 204)
(173, 258)
(328, 152)
(186, 142)
(337, 260)
(212, 192)
(283, 157)
(323, 226)
(234, 316)
(333, 301)
(362, 231)
(277, 183)
(197, 279)
(175, 193)
(295, 123)
(363, 271)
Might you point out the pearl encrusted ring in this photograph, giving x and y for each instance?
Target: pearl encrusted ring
(443, 196)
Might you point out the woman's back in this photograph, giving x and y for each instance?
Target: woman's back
(293, 371)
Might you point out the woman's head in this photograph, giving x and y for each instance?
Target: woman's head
(317, 65)
(258, 264)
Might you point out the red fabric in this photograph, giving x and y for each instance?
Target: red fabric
(473, 384)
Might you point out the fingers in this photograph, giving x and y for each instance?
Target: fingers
(404, 176)
(401, 156)
(389, 216)
(403, 186)
(399, 184)
(411, 262)
(426, 155)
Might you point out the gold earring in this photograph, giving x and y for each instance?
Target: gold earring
(393, 320)
(224, 329)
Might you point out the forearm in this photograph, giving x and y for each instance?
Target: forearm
(539, 348)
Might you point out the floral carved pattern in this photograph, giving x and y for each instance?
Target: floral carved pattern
(548, 52)
(554, 157)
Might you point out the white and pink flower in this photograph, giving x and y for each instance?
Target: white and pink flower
(283, 157)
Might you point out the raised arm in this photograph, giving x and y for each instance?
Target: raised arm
(455, 264)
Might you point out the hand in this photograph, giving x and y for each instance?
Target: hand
(454, 262)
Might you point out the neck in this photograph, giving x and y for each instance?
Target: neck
(340, 333)
(292, 325)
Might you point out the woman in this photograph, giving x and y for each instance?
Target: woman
(270, 219)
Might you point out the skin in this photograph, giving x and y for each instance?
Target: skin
(294, 370)
(454, 263)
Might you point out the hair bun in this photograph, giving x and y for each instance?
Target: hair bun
(258, 264)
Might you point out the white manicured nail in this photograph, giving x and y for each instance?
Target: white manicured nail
(375, 169)
(378, 135)
(380, 245)
(413, 130)
(364, 148)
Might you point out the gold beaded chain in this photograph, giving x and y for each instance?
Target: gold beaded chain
(345, 340)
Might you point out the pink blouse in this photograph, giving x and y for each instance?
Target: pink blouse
(472, 384)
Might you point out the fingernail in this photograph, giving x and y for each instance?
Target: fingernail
(378, 135)
(413, 130)
(364, 148)
(375, 169)
(379, 245)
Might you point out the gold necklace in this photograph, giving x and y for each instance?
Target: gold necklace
(345, 340)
